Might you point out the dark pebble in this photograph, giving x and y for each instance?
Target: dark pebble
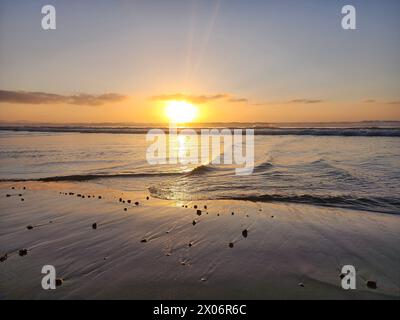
(143, 241)
(195, 206)
(190, 244)
(123, 201)
(79, 195)
(194, 222)
(3, 258)
(22, 199)
(125, 209)
(147, 198)
(59, 282)
(185, 206)
(24, 188)
(99, 197)
(129, 201)
(23, 252)
(8, 195)
(301, 284)
(94, 226)
(272, 216)
(13, 188)
(199, 212)
(20, 195)
(120, 199)
(83, 197)
(29, 227)
(245, 233)
(88, 196)
(233, 213)
(205, 207)
(136, 203)
(371, 284)
(231, 245)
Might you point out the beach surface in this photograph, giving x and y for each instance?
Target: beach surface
(161, 249)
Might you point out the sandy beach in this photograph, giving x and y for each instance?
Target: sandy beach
(161, 249)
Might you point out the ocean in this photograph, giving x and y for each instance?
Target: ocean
(353, 166)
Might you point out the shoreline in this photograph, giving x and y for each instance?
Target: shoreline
(291, 251)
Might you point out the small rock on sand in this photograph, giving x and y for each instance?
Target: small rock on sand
(371, 284)
(29, 227)
(99, 197)
(245, 233)
(143, 240)
(194, 222)
(22, 199)
(136, 203)
(94, 226)
(59, 282)
(147, 198)
(125, 209)
(231, 245)
(190, 244)
(195, 206)
(8, 195)
(3, 258)
(301, 284)
(233, 213)
(199, 212)
(129, 201)
(23, 252)
(120, 199)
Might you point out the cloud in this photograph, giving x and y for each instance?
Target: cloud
(294, 101)
(238, 100)
(306, 101)
(199, 99)
(26, 97)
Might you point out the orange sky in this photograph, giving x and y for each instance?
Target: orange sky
(146, 110)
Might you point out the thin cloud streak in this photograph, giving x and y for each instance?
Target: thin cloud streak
(198, 99)
(26, 97)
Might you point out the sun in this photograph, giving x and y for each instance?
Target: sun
(181, 111)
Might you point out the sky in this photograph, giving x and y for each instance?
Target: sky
(236, 60)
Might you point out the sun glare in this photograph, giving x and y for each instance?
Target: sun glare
(181, 111)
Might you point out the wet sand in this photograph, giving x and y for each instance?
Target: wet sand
(106, 248)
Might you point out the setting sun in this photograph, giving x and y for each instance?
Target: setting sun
(181, 111)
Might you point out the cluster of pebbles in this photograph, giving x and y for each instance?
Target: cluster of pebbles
(59, 281)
